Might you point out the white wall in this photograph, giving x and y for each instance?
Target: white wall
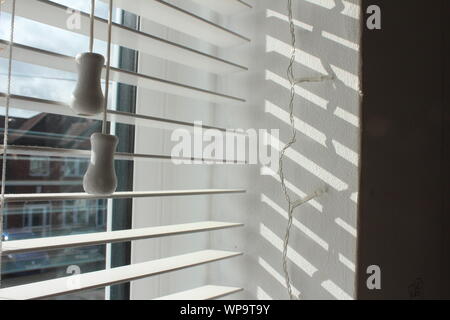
(323, 238)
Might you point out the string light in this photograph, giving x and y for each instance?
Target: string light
(293, 204)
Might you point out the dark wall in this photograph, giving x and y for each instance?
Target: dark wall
(403, 222)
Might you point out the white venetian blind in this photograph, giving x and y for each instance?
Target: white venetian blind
(167, 15)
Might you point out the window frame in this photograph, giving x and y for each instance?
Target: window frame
(122, 208)
(78, 172)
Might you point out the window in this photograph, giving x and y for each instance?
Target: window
(76, 213)
(36, 219)
(74, 168)
(39, 168)
(146, 105)
(100, 213)
(56, 174)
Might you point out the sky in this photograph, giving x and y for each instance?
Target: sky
(37, 81)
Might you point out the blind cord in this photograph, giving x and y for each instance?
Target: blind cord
(5, 135)
(92, 22)
(293, 204)
(108, 67)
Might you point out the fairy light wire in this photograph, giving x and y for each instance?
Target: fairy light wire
(293, 139)
(6, 126)
(293, 204)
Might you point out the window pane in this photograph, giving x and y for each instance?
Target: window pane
(31, 174)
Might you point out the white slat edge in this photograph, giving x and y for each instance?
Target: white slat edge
(116, 195)
(202, 293)
(183, 21)
(77, 153)
(57, 61)
(103, 278)
(225, 7)
(56, 15)
(63, 109)
(52, 243)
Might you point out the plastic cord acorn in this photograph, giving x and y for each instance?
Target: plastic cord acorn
(87, 98)
(100, 177)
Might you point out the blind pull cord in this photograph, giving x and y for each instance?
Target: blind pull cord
(92, 23)
(5, 134)
(108, 68)
(100, 177)
(87, 98)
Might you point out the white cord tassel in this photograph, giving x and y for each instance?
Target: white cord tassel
(5, 134)
(87, 98)
(292, 204)
(100, 178)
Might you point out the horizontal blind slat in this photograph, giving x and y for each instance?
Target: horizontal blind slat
(98, 279)
(52, 243)
(202, 293)
(54, 60)
(77, 153)
(56, 15)
(183, 21)
(117, 195)
(63, 109)
(225, 7)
